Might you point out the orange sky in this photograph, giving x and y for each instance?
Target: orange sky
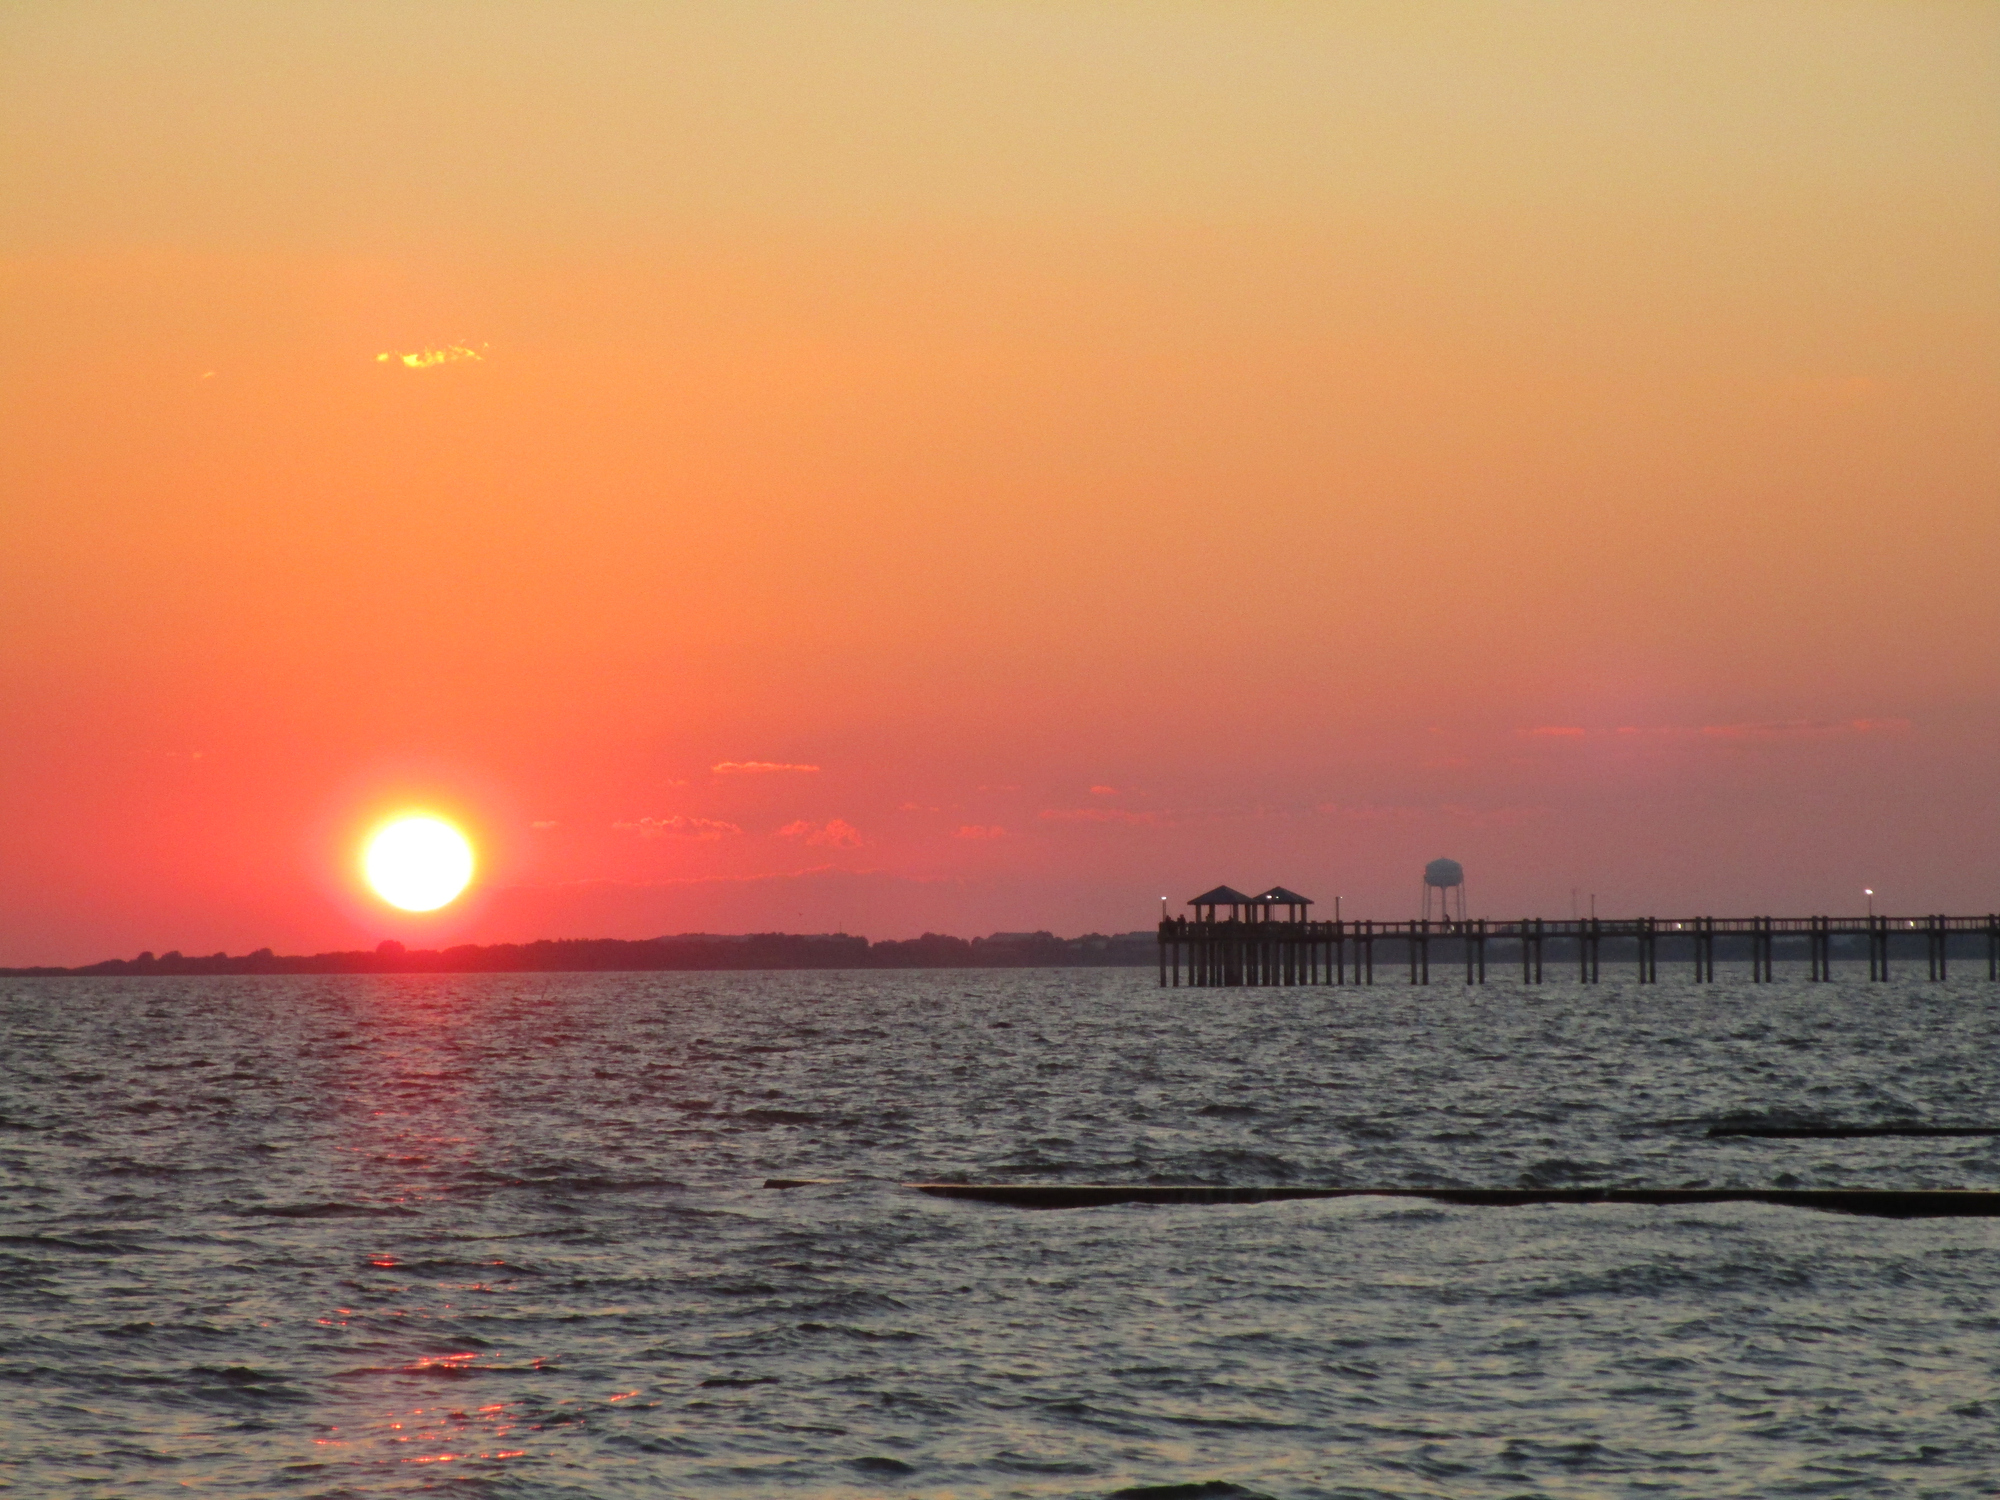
(1116, 447)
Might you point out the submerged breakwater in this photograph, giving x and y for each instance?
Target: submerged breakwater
(366, 1235)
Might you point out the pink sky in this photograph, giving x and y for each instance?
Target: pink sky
(986, 466)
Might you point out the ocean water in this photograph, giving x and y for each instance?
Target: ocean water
(507, 1236)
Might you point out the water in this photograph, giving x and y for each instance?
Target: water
(506, 1236)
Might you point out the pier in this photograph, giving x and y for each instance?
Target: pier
(1253, 945)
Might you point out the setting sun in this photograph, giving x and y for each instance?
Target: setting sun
(418, 863)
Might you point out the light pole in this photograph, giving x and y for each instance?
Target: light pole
(1871, 904)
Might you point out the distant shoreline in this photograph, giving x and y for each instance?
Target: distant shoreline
(691, 952)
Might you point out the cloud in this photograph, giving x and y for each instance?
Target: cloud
(678, 826)
(543, 823)
(755, 767)
(836, 833)
(424, 359)
(1454, 812)
(1772, 729)
(1370, 812)
(1099, 815)
(980, 831)
(996, 787)
(1763, 729)
(1793, 729)
(1491, 817)
(1104, 791)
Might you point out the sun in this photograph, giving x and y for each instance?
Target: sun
(418, 863)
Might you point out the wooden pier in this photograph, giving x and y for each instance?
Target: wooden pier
(1253, 949)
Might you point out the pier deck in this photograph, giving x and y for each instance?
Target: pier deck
(1251, 952)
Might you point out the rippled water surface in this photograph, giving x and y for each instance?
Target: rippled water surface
(508, 1236)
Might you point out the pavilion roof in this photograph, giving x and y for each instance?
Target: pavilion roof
(1222, 895)
(1277, 895)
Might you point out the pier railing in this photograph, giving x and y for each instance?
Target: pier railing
(1347, 952)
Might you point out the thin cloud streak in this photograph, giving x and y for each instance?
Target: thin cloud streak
(835, 833)
(1760, 729)
(1101, 815)
(1796, 729)
(1455, 812)
(678, 826)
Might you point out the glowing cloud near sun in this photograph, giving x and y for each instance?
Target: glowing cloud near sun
(424, 359)
(418, 863)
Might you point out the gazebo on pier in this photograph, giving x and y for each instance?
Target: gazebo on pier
(1223, 895)
(1252, 945)
(1294, 904)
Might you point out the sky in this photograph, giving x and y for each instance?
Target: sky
(982, 465)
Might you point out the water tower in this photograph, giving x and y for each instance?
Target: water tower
(1444, 876)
